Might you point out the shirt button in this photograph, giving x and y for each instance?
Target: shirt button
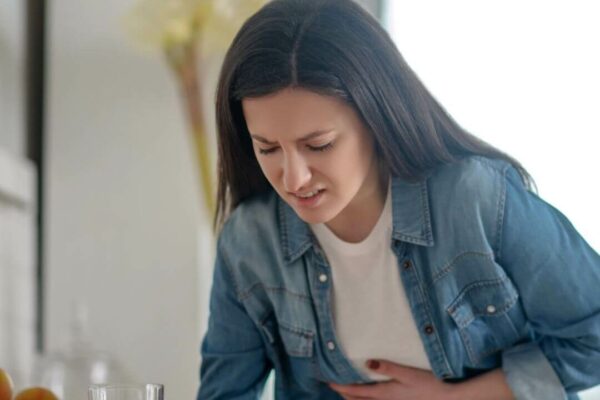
(428, 329)
(331, 345)
(323, 278)
(406, 264)
(491, 309)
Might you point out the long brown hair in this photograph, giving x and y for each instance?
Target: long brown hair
(334, 48)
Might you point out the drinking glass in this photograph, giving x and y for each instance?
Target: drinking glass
(144, 391)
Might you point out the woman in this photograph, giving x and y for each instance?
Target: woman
(370, 247)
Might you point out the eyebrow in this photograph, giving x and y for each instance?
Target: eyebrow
(311, 135)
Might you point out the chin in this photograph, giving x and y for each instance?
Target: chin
(310, 219)
(314, 217)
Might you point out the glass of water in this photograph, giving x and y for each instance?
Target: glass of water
(144, 391)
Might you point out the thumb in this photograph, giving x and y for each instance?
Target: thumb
(395, 371)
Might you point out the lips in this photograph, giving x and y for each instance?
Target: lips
(307, 195)
(312, 200)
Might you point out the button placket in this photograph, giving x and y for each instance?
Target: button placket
(321, 288)
(428, 329)
(420, 308)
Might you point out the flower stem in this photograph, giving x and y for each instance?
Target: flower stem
(182, 60)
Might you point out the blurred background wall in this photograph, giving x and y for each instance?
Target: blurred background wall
(12, 76)
(123, 214)
(18, 207)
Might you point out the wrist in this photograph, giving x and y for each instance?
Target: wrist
(455, 391)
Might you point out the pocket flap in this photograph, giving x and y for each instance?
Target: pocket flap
(297, 342)
(483, 298)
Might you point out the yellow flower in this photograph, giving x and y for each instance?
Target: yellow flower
(183, 29)
(166, 23)
(177, 31)
(163, 23)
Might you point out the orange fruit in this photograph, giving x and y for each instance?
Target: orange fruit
(36, 393)
(6, 386)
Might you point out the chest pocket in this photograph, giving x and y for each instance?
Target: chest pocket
(485, 313)
(293, 348)
(297, 342)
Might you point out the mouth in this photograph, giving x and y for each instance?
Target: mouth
(308, 199)
(307, 195)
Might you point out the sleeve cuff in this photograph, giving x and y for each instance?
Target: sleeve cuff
(530, 375)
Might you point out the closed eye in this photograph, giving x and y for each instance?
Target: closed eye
(267, 151)
(324, 147)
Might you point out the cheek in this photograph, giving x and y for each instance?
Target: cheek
(269, 167)
(355, 162)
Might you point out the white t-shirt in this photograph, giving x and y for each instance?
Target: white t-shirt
(372, 316)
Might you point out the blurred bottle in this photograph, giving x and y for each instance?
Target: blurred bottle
(69, 373)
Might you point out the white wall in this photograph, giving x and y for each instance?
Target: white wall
(17, 266)
(522, 75)
(17, 202)
(123, 208)
(12, 75)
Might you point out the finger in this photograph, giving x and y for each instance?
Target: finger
(397, 372)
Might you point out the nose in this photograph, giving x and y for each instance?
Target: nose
(296, 173)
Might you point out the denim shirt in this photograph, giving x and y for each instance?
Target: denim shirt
(495, 278)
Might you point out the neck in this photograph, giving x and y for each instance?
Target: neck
(359, 218)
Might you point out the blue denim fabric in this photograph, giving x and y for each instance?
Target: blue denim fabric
(495, 278)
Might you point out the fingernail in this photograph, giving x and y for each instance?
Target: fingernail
(373, 364)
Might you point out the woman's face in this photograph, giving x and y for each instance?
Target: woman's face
(315, 151)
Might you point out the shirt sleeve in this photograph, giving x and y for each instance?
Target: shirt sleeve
(234, 363)
(557, 275)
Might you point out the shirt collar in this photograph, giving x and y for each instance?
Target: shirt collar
(411, 220)
(410, 210)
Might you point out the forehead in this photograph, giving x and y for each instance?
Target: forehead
(295, 111)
